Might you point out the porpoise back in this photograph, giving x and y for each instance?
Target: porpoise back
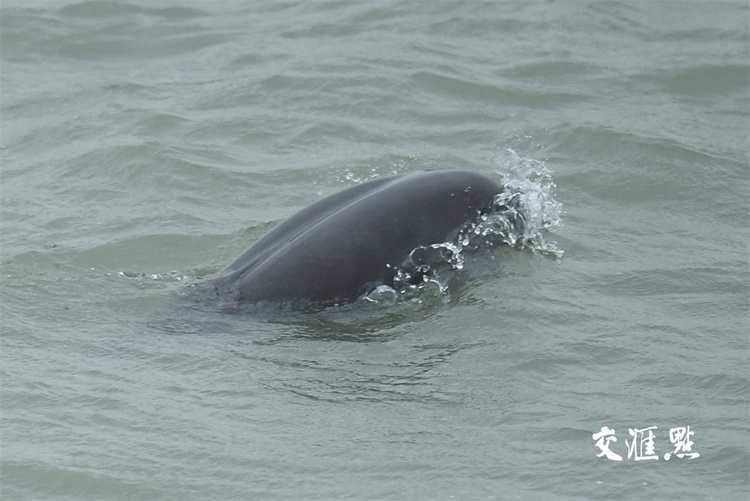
(341, 247)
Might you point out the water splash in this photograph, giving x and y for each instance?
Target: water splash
(525, 212)
(520, 217)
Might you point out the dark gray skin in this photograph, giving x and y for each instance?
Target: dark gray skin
(341, 247)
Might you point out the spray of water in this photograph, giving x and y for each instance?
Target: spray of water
(524, 213)
(521, 217)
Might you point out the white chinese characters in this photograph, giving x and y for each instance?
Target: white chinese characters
(603, 439)
(680, 438)
(642, 445)
(642, 448)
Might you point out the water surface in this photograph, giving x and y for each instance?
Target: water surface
(145, 147)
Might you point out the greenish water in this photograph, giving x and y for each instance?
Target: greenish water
(145, 147)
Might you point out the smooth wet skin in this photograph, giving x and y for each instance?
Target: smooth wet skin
(343, 246)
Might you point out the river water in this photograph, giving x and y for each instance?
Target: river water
(145, 145)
